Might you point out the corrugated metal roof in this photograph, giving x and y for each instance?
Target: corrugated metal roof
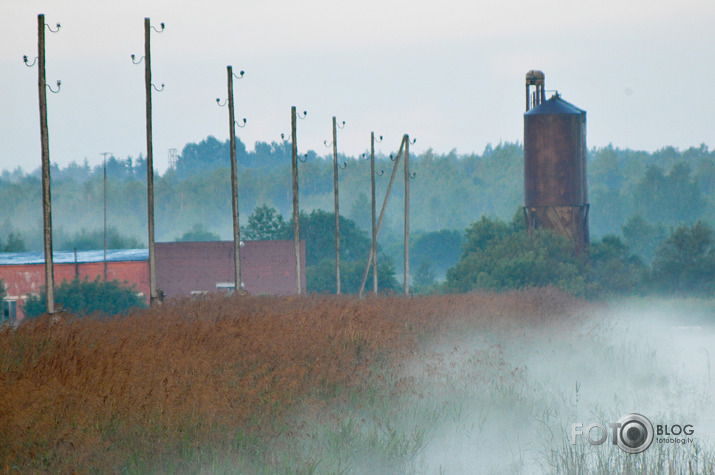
(67, 257)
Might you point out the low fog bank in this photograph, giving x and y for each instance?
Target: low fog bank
(506, 403)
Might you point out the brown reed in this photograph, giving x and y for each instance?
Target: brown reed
(97, 394)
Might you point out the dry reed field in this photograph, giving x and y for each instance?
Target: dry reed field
(155, 390)
(480, 383)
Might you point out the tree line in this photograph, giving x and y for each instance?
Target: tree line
(639, 197)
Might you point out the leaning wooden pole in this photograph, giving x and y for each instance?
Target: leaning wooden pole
(337, 206)
(373, 248)
(149, 163)
(234, 185)
(296, 208)
(407, 215)
(46, 195)
(382, 215)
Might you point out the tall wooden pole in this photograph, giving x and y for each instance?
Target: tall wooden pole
(296, 216)
(374, 224)
(382, 214)
(234, 184)
(407, 215)
(149, 162)
(105, 214)
(337, 207)
(46, 196)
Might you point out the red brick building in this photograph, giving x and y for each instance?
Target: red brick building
(267, 267)
(24, 272)
(182, 268)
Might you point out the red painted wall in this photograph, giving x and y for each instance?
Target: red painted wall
(23, 279)
(267, 268)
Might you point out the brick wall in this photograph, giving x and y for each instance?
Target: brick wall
(267, 267)
(24, 279)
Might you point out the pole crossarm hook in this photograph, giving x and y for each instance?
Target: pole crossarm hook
(220, 104)
(382, 172)
(59, 85)
(239, 75)
(343, 166)
(51, 30)
(135, 61)
(305, 114)
(159, 30)
(158, 89)
(29, 65)
(341, 126)
(413, 141)
(303, 159)
(327, 144)
(413, 175)
(242, 125)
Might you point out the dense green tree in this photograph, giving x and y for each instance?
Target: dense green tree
(206, 155)
(85, 240)
(642, 237)
(613, 269)
(438, 249)
(361, 212)
(671, 198)
(321, 277)
(685, 262)
(265, 223)
(318, 231)
(500, 256)
(424, 276)
(198, 233)
(85, 297)
(15, 243)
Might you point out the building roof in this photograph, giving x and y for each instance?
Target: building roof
(67, 257)
(555, 105)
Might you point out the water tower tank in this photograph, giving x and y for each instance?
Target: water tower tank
(555, 191)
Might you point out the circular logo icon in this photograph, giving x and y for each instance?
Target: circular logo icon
(635, 433)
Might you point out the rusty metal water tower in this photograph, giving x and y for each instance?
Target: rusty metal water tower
(555, 192)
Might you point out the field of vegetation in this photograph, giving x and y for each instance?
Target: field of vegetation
(472, 383)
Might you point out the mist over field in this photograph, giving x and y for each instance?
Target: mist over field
(648, 356)
(486, 400)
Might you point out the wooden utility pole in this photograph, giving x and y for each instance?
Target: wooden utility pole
(382, 215)
(407, 215)
(296, 216)
(46, 195)
(149, 159)
(337, 206)
(234, 184)
(105, 214)
(373, 248)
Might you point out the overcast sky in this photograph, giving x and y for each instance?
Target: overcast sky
(449, 73)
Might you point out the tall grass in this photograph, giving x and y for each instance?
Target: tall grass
(167, 383)
(309, 385)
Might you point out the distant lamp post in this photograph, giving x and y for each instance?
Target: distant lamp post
(105, 214)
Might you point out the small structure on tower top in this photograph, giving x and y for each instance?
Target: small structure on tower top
(555, 188)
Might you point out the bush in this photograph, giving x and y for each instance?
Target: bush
(85, 297)
(685, 261)
(500, 256)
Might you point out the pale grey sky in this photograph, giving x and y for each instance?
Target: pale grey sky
(449, 73)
